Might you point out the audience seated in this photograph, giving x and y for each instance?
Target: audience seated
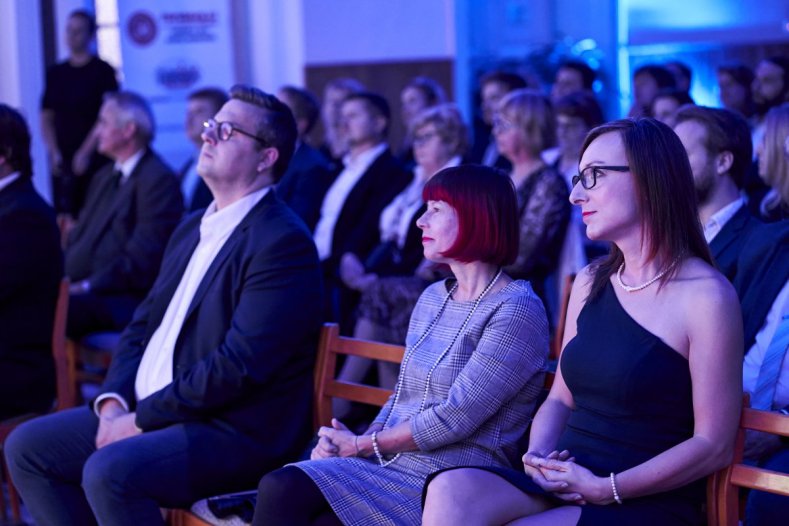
(473, 367)
(666, 103)
(395, 273)
(335, 145)
(576, 114)
(734, 85)
(69, 108)
(524, 126)
(201, 105)
(643, 406)
(350, 210)
(113, 252)
(571, 77)
(493, 86)
(419, 94)
(212, 383)
(647, 81)
(774, 164)
(309, 173)
(31, 266)
(718, 145)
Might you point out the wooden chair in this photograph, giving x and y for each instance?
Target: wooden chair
(723, 487)
(327, 387)
(66, 391)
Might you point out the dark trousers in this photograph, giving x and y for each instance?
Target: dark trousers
(64, 480)
(769, 509)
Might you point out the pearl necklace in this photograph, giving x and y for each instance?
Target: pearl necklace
(636, 288)
(410, 352)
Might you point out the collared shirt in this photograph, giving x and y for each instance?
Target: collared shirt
(127, 167)
(718, 220)
(396, 218)
(337, 195)
(755, 355)
(8, 179)
(156, 367)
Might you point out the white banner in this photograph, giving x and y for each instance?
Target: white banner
(169, 49)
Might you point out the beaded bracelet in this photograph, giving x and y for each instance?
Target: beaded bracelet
(613, 487)
(381, 460)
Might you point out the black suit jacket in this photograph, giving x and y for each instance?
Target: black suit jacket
(245, 355)
(31, 266)
(119, 239)
(762, 271)
(305, 183)
(727, 246)
(357, 228)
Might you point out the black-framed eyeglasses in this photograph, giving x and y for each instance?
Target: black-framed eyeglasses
(588, 176)
(224, 130)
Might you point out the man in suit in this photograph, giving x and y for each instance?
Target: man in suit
(211, 385)
(133, 205)
(309, 175)
(31, 265)
(200, 106)
(350, 210)
(719, 149)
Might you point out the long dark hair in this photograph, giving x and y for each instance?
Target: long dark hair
(665, 193)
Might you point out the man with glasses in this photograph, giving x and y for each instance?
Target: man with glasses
(211, 384)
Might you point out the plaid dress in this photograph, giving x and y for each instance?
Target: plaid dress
(479, 402)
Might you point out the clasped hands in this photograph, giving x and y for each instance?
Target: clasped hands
(335, 441)
(558, 474)
(115, 423)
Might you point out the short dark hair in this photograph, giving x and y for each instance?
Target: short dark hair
(487, 209)
(663, 77)
(727, 131)
(376, 104)
(304, 105)
(783, 63)
(216, 96)
(512, 81)
(588, 75)
(683, 68)
(432, 90)
(87, 16)
(742, 74)
(15, 141)
(665, 193)
(681, 97)
(581, 104)
(277, 128)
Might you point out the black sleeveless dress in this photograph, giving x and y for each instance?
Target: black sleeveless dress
(633, 401)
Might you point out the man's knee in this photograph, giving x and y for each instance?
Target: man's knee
(19, 444)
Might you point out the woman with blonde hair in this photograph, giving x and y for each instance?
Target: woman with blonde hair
(774, 164)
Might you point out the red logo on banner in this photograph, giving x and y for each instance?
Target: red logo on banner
(141, 28)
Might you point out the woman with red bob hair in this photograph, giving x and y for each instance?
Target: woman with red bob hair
(475, 354)
(647, 393)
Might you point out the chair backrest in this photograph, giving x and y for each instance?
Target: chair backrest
(328, 387)
(64, 360)
(723, 494)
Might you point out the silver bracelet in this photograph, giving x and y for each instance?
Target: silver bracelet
(613, 487)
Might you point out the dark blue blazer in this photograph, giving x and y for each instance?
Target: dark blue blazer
(727, 246)
(305, 183)
(31, 266)
(762, 271)
(245, 355)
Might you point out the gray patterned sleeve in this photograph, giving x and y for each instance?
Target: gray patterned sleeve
(513, 349)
